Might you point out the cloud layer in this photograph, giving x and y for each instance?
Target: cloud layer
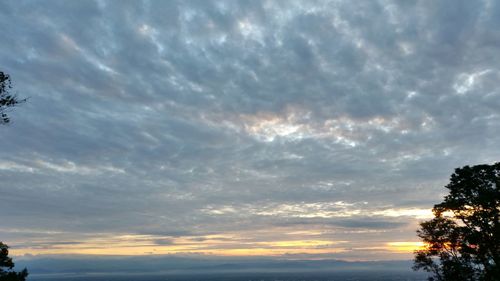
(256, 122)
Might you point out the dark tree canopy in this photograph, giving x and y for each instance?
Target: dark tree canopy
(6, 265)
(463, 239)
(7, 99)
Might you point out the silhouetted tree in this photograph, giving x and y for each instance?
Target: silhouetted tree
(463, 239)
(6, 98)
(6, 265)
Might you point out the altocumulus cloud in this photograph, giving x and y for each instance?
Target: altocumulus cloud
(211, 126)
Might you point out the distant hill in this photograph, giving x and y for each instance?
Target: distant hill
(184, 265)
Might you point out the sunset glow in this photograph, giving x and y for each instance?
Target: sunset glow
(405, 246)
(218, 245)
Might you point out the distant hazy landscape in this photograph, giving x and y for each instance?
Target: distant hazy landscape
(331, 276)
(178, 268)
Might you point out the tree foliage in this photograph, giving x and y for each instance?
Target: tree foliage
(7, 99)
(6, 266)
(463, 239)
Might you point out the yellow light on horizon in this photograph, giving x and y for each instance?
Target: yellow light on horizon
(261, 243)
(405, 246)
(137, 245)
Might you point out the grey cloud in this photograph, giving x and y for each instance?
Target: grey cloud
(163, 241)
(146, 114)
(358, 222)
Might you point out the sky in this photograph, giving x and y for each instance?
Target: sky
(296, 129)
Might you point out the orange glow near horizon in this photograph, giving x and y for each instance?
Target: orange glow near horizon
(215, 245)
(256, 249)
(146, 251)
(405, 246)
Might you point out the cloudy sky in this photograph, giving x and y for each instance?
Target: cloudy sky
(279, 128)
